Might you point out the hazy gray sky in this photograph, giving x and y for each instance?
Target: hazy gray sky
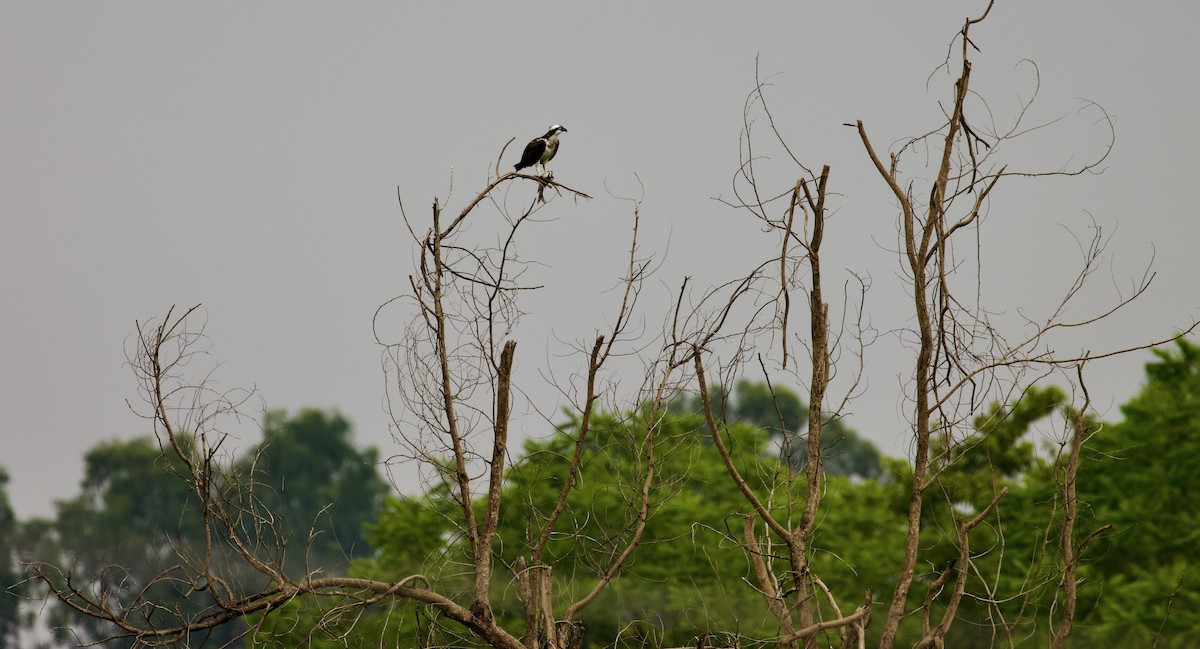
(247, 156)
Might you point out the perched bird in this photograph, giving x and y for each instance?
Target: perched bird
(541, 150)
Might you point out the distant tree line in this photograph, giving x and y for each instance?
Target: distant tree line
(134, 509)
(1141, 583)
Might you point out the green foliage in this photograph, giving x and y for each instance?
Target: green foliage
(776, 412)
(411, 532)
(1139, 580)
(1014, 552)
(1139, 476)
(689, 575)
(136, 508)
(132, 499)
(784, 416)
(319, 484)
(688, 560)
(1140, 583)
(997, 454)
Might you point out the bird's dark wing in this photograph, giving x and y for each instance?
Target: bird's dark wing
(533, 153)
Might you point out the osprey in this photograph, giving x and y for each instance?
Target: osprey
(541, 150)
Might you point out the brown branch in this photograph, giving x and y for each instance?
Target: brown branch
(908, 217)
(858, 615)
(577, 457)
(483, 561)
(783, 294)
(1081, 430)
(449, 407)
(643, 515)
(714, 431)
(923, 386)
(819, 380)
(483, 195)
(935, 637)
(766, 584)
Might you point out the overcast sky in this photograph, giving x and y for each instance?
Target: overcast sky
(247, 156)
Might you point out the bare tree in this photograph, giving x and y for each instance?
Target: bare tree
(452, 391)
(453, 376)
(964, 360)
(454, 369)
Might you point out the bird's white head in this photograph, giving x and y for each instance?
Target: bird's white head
(556, 129)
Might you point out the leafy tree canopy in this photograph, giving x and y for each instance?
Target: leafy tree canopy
(1143, 571)
(784, 415)
(688, 576)
(1139, 575)
(134, 509)
(319, 482)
